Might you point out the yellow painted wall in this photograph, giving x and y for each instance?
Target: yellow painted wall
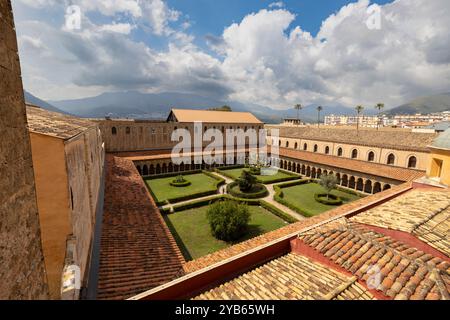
(436, 156)
(53, 204)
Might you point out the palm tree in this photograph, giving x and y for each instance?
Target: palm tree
(319, 109)
(379, 106)
(298, 107)
(358, 109)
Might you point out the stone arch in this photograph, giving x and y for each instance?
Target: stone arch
(296, 145)
(386, 187)
(152, 169)
(299, 168)
(182, 166)
(305, 147)
(340, 152)
(138, 167)
(368, 186)
(391, 159)
(145, 170)
(170, 167)
(308, 171)
(371, 156)
(316, 148)
(355, 154)
(352, 182)
(313, 173)
(158, 168)
(360, 184)
(338, 177)
(376, 187)
(303, 169)
(344, 181)
(319, 173)
(127, 130)
(327, 150)
(412, 162)
(114, 131)
(164, 167)
(289, 166)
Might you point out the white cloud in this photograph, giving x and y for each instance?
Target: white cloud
(278, 4)
(264, 58)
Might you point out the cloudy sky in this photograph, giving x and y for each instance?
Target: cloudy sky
(276, 54)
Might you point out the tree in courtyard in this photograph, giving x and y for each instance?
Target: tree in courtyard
(328, 182)
(379, 107)
(246, 181)
(358, 109)
(319, 109)
(228, 220)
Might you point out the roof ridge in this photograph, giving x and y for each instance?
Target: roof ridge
(340, 289)
(428, 218)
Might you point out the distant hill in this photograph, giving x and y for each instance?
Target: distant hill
(133, 104)
(31, 99)
(428, 104)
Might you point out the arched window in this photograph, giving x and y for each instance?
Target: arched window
(412, 162)
(287, 144)
(371, 156)
(279, 143)
(340, 152)
(354, 154)
(296, 145)
(316, 148)
(327, 150)
(305, 147)
(128, 130)
(391, 159)
(114, 130)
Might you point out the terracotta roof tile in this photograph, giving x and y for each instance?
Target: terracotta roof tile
(137, 250)
(403, 272)
(186, 115)
(375, 169)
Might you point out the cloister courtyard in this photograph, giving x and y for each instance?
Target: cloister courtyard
(290, 197)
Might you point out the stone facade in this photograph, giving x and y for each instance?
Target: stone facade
(22, 270)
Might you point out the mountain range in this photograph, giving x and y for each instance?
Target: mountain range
(137, 105)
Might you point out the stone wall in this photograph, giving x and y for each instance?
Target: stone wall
(22, 271)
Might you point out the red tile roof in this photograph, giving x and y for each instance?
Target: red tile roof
(375, 169)
(137, 250)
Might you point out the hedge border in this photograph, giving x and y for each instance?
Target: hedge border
(319, 197)
(292, 175)
(238, 194)
(180, 184)
(219, 183)
(251, 202)
(279, 196)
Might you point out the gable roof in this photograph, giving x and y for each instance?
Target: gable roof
(187, 115)
(56, 124)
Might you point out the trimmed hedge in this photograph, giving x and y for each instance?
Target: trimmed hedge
(279, 196)
(292, 175)
(236, 166)
(332, 201)
(171, 174)
(180, 184)
(233, 189)
(251, 202)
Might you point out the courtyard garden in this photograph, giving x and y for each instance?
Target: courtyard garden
(195, 238)
(309, 198)
(266, 176)
(172, 188)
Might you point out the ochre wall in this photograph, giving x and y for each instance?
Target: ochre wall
(22, 270)
(53, 204)
(444, 156)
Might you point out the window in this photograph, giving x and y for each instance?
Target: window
(287, 144)
(371, 156)
(391, 159)
(296, 145)
(153, 130)
(412, 162)
(279, 143)
(354, 154)
(316, 148)
(305, 147)
(114, 130)
(340, 152)
(128, 130)
(327, 150)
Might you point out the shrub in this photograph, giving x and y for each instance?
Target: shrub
(180, 181)
(228, 220)
(256, 171)
(257, 191)
(328, 199)
(246, 181)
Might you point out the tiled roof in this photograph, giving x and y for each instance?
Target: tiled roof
(403, 140)
(137, 251)
(56, 124)
(334, 214)
(186, 115)
(291, 277)
(375, 169)
(443, 141)
(403, 272)
(424, 214)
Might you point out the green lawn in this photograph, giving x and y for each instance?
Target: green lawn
(302, 196)
(236, 173)
(193, 235)
(162, 189)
